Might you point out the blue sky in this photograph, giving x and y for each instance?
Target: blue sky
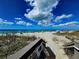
(68, 7)
(36, 14)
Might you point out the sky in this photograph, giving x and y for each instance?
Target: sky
(39, 14)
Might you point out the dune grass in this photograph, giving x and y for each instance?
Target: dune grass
(11, 44)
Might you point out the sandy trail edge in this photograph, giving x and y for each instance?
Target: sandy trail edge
(48, 36)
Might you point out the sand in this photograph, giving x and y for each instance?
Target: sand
(56, 47)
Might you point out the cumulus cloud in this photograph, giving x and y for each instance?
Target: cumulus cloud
(2, 21)
(31, 2)
(42, 9)
(23, 23)
(58, 18)
(45, 22)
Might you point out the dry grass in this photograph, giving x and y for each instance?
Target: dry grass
(73, 35)
(11, 44)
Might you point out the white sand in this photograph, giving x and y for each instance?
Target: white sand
(57, 48)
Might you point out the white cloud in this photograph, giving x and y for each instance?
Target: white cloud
(58, 18)
(39, 23)
(42, 9)
(45, 22)
(8, 22)
(28, 24)
(24, 23)
(73, 23)
(2, 21)
(30, 2)
(27, 10)
(18, 18)
(21, 22)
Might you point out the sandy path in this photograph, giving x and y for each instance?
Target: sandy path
(56, 48)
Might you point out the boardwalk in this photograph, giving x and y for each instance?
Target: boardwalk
(57, 49)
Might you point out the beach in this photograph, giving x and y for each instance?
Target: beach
(53, 41)
(55, 46)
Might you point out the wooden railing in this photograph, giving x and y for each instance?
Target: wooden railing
(26, 51)
(35, 48)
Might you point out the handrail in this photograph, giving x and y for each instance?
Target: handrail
(76, 48)
(26, 51)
